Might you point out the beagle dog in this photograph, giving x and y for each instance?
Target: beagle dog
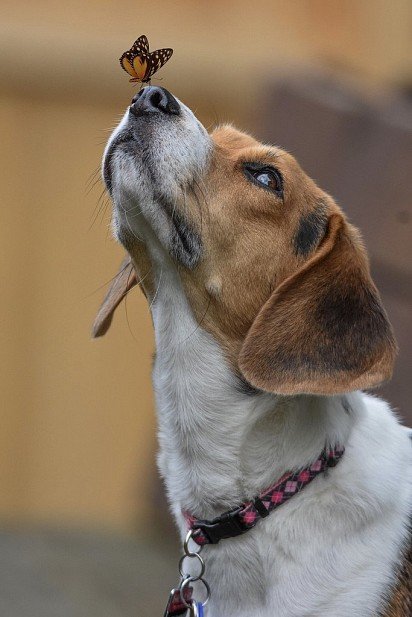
(267, 327)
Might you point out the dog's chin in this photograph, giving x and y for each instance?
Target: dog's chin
(144, 214)
(159, 226)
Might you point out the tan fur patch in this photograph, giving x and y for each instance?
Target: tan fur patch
(247, 233)
(400, 604)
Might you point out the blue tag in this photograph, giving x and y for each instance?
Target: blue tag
(199, 609)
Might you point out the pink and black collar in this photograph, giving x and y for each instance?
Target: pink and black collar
(239, 520)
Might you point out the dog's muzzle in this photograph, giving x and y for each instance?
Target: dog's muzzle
(150, 167)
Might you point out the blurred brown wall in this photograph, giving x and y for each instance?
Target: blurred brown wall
(77, 438)
(359, 149)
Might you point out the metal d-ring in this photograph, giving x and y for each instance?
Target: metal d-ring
(186, 548)
(185, 582)
(192, 556)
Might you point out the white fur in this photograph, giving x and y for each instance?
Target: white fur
(175, 152)
(331, 550)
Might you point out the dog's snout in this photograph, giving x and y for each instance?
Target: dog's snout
(154, 99)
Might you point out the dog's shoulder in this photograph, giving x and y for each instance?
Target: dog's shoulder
(400, 604)
(398, 599)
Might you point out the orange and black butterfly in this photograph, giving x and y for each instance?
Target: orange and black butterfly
(140, 63)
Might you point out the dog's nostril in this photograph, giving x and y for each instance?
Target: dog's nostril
(156, 98)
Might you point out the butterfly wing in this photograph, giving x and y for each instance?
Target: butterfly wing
(141, 66)
(139, 49)
(126, 62)
(157, 59)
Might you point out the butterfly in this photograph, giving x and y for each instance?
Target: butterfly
(140, 63)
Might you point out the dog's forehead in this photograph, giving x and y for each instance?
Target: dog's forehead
(227, 137)
(235, 144)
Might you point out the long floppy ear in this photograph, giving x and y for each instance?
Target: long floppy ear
(125, 279)
(324, 329)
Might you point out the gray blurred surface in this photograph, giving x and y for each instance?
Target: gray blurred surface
(359, 149)
(54, 573)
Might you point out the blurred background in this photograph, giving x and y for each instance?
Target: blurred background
(83, 529)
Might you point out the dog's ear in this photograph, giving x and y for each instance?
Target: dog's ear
(124, 280)
(324, 329)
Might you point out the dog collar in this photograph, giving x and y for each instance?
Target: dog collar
(244, 517)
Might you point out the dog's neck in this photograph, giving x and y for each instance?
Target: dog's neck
(219, 444)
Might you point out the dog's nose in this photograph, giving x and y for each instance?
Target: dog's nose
(154, 99)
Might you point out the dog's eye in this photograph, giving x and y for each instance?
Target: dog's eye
(264, 176)
(267, 178)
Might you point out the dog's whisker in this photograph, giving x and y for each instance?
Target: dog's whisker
(200, 181)
(109, 232)
(199, 205)
(135, 214)
(174, 202)
(106, 283)
(217, 120)
(195, 187)
(131, 230)
(132, 210)
(157, 289)
(125, 305)
(145, 276)
(92, 180)
(199, 325)
(184, 203)
(92, 185)
(100, 208)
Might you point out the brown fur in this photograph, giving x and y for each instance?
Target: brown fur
(249, 237)
(400, 603)
(323, 330)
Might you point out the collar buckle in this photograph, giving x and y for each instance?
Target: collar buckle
(228, 525)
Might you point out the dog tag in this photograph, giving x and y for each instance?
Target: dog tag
(175, 606)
